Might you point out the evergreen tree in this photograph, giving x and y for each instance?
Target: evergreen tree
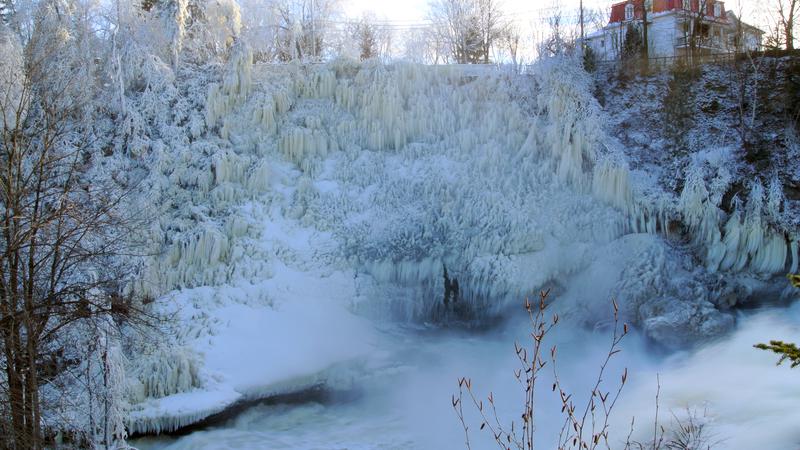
(786, 350)
(632, 50)
(589, 59)
(633, 45)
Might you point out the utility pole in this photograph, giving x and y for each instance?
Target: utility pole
(582, 33)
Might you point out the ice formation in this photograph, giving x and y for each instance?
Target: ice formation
(232, 92)
(165, 371)
(419, 146)
(395, 172)
(742, 240)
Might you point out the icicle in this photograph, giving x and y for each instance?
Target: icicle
(771, 256)
(232, 92)
(735, 255)
(259, 178)
(610, 183)
(167, 371)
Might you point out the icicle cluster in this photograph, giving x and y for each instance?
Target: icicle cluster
(461, 172)
(165, 371)
(232, 92)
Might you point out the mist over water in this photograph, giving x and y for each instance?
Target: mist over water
(403, 397)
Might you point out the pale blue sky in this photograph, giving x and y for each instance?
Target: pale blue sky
(409, 12)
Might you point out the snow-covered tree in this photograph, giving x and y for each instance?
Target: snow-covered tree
(787, 12)
(6, 10)
(61, 230)
(12, 79)
(469, 27)
(304, 27)
(425, 45)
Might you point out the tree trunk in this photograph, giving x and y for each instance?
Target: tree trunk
(16, 395)
(32, 388)
(788, 19)
(645, 39)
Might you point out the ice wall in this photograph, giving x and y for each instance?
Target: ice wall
(413, 168)
(510, 182)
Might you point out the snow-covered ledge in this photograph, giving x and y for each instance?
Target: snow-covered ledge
(250, 347)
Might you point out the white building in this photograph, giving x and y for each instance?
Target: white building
(672, 25)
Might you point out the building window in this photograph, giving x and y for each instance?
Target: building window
(687, 5)
(717, 10)
(629, 11)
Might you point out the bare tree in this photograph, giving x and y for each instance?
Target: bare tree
(371, 39)
(469, 27)
(510, 41)
(425, 45)
(304, 27)
(775, 38)
(787, 11)
(491, 25)
(696, 28)
(746, 78)
(61, 233)
(559, 38)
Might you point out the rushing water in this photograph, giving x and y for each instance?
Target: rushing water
(403, 400)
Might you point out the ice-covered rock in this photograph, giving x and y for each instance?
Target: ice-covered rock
(657, 286)
(678, 323)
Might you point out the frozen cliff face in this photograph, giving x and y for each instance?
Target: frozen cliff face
(366, 181)
(412, 169)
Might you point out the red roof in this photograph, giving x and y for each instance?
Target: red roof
(618, 9)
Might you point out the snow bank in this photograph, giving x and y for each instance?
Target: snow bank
(250, 346)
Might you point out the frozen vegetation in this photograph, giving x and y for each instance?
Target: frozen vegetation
(293, 210)
(297, 186)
